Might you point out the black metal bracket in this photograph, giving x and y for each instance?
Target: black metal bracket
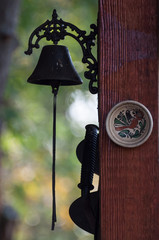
(56, 30)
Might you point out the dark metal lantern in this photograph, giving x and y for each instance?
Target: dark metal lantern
(55, 68)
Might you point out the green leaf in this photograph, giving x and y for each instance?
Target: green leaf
(137, 134)
(117, 121)
(124, 133)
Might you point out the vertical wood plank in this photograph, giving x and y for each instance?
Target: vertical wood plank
(128, 66)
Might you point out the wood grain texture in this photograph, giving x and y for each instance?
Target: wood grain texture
(128, 66)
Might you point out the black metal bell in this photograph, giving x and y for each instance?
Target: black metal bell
(55, 68)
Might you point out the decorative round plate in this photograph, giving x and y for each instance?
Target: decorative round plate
(129, 124)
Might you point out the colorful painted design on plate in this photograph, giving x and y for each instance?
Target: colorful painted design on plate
(130, 123)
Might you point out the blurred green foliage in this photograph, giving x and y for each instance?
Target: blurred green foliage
(26, 138)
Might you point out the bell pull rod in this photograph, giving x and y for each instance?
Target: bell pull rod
(54, 91)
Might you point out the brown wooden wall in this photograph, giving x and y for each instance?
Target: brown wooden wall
(128, 66)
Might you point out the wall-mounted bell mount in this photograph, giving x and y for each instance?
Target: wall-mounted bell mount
(55, 66)
(129, 124)
(55, 30)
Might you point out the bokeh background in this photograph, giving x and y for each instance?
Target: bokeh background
(26, 136)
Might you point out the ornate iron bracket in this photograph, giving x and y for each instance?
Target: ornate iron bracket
(56, 30)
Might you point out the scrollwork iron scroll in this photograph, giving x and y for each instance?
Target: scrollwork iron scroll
(56, 30)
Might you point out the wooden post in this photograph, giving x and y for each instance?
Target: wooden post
(128, 66)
